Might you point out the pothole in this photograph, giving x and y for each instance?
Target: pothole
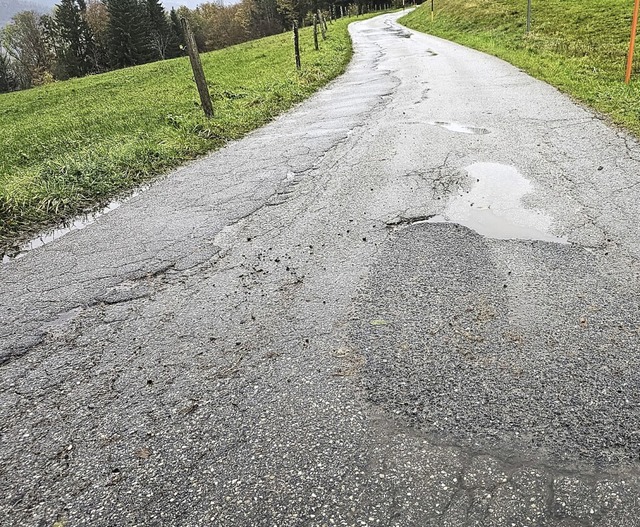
(401, 220)
(493, 207)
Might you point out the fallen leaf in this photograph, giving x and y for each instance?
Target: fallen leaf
(143, 453)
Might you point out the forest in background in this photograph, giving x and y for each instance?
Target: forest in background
(83, 37)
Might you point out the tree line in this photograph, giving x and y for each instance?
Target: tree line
(83, 37)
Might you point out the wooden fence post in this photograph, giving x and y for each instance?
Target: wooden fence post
(315, 32)
(296, 44)
(323, 29)
(196, 66)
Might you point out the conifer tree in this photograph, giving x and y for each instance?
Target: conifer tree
(164, 39)
(129, 34)
(75, 43)
(177, 29)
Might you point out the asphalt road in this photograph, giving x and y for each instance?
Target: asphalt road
(411, 301)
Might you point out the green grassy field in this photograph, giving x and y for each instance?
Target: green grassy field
(579, 46)
(68, 147)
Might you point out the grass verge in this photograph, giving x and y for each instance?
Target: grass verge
(578, 46)
(69, 147)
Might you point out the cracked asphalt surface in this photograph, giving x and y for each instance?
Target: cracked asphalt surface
(274, 335)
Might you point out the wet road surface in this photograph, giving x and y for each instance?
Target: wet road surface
(411, 301)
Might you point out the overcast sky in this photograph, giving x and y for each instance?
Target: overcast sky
(168, 4)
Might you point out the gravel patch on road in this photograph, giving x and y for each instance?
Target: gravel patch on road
(538, 351)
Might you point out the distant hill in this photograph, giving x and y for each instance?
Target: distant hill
(8, 8)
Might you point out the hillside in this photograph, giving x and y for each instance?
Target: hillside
(69, 146)
(8, 8)
(578, 46)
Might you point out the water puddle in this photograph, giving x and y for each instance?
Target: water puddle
(493, 206)
(76, 224)
(460, 128)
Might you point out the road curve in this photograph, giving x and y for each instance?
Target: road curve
(412, 300)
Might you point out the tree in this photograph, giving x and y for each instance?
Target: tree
(25, 43)
(164, 39)
(129, 34)
(97, 18)
(6, 75)
(196, 23)
(291, 10)
(177, 29)
(260, 18)
(220, 25)
(74, 38)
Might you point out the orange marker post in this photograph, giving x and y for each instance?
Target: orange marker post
(632, 43)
